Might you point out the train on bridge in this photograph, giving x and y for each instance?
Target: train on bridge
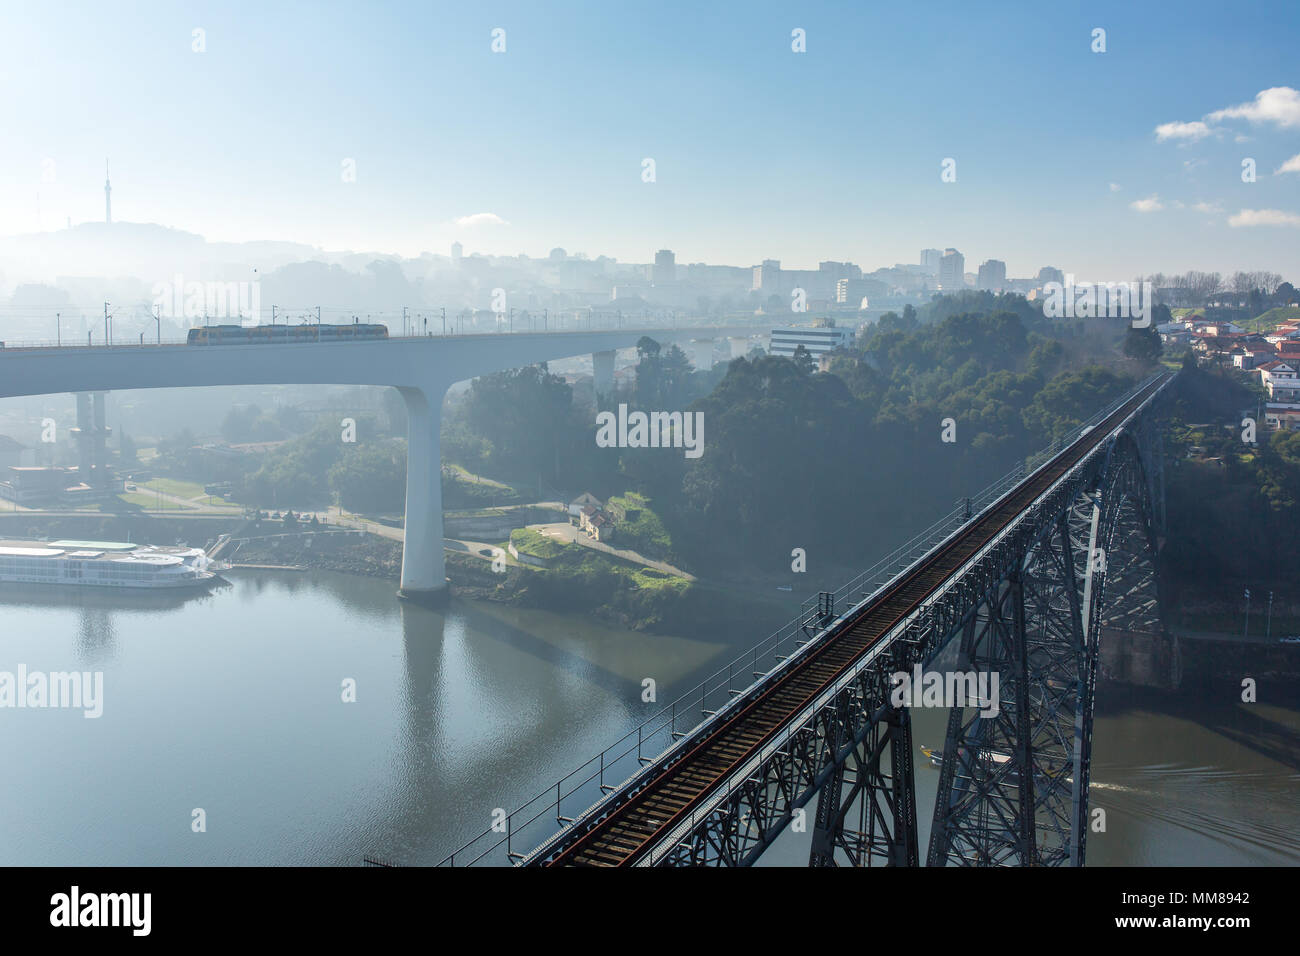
(265, 334)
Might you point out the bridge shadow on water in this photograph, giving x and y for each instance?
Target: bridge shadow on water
(485, 728)
(1216, 706)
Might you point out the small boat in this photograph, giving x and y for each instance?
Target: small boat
(936, 756)
(986, 757)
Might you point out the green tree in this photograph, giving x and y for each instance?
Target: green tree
(371, 478)
(1143, 345)
(804, 361)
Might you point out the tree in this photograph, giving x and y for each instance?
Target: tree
(804, 361)
(371, 478)
(126, 449)
(246, 423)
(1143, 345)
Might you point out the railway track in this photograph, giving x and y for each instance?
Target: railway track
(631, 829)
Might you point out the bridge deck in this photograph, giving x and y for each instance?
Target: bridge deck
(632, 828)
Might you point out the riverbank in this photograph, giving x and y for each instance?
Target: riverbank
(368, 555)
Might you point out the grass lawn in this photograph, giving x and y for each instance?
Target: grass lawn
(171, 486)
(152, 502)
(464, 474)
(1270, 319)
(528, 541)
(655, 580)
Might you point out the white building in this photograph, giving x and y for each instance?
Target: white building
(1281, 381)
(993, 275)
(816, 341)
(952, 271)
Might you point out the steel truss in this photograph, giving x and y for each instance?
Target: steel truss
(1013, 789)
(1013, 785)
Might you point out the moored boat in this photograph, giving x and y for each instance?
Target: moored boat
(112, 564)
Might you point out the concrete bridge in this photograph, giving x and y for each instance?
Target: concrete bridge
(420, 368)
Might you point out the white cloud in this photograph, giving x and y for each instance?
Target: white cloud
(1264, 217)
(1207, 207)
(1292, 165)
(1189, 131)
(1279, 105)
(482, 219)
(1115, 187)
(1150, 204)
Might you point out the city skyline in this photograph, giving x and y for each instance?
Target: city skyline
(1122, 162)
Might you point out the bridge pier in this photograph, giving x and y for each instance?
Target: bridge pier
(424, 569)
(602, 368)
(739, 346)
(702, 354)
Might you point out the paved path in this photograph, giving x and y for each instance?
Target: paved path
(563, 531)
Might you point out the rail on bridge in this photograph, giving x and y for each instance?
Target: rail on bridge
(1020, 580)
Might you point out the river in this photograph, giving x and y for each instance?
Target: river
(232, 703)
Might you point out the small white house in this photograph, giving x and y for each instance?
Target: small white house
(582, 501)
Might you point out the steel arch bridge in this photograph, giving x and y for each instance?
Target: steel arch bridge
(1019, 584)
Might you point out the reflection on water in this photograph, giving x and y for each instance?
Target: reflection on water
(232, 701)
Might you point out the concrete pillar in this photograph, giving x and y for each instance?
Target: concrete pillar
(100, 441)
(602, 367)
(739, 346)
(84, 432)
(424, 571)
(703, 358)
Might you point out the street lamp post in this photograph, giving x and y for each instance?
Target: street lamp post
(1246, 633)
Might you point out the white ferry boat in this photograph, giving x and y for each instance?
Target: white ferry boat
(110, 564)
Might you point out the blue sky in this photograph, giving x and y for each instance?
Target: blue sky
(760, 152)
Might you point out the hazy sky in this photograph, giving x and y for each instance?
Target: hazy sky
(760, 152)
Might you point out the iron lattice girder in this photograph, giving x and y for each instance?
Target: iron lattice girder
(1004, 794)
(885, 802)
(1018, 604)
(1029, 626)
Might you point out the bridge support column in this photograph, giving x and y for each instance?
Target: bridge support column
(424, 570)
(702, 357)
(739, 346)
(875, 820)
(91, 434)
(602, 368)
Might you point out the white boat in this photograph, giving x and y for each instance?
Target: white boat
(110, 564)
